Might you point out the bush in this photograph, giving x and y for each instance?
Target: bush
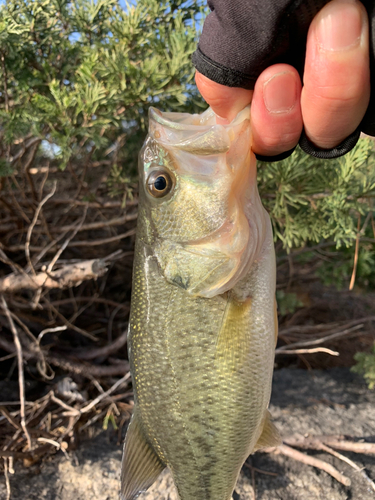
(80, 76)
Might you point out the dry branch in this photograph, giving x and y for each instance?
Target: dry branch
(118, 221)
(75, 244)
(32, 225)
(89, 370)
(43, 226)
(314, 462)
(325, 328)
(95, 204)
(97, 400)
(104, 351)
(316, 341)
(349, 462)
(321, 443)
(338, 442)
(307, 351)
(21, 378)
(69, 365)
(7, 483)
(67, 276)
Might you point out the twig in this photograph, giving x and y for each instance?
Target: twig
(325, 328)
(94, 243)
(50, 330)
(73, 244)
(89, 370)
(92, 420)
(5, 76)
(320, 443)
(338, 442)
(307, 351)
(21, 379)
(94, 204)
(104, 351)
(67, 276)
(349, 462)
(17, 269)
(45, 250)
(25, 147)
(315, 462)
(356, 252)
(105, 394)
(15, 203)
(320, 340)
(99, 225)
(66, 242)
(92, 404)
(49, 441)
(69, 324)
(74, 411)
(73, 366)
(110, 322)
(26, 166)
(26, 454)
(7, 483)
(97, 300)
(32, 225)
(261, 471)
(9, 417)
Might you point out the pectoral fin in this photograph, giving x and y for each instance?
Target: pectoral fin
(234, 338)
(140, 464)
(270, 435)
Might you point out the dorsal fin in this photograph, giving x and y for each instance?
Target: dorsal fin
(270, 435)
(140, 464)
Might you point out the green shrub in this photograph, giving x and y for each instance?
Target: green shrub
(81, 75)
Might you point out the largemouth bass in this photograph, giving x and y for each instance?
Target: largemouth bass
(203, 322)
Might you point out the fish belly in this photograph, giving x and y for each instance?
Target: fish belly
(202, 371)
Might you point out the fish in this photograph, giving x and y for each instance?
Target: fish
(203, 321)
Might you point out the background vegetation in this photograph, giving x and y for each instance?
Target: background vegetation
(76, 81)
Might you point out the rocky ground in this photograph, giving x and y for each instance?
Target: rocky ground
(316, 402)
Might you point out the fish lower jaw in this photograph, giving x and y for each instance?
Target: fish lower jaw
(227, 283)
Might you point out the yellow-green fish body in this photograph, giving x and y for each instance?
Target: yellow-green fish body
(203, 323)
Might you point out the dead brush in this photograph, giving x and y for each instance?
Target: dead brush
(65, 278)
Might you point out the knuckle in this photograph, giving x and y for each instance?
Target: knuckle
(275, 144)
(333, 96)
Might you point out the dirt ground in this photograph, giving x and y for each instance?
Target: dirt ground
(316, 402)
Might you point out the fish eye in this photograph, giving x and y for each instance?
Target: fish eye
(159, 183)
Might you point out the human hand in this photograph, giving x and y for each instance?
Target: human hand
(335, 93)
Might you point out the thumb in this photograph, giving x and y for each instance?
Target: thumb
(226, 102)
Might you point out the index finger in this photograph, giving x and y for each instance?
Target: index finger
(226, 102)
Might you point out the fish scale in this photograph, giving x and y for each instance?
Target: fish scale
(201, 366)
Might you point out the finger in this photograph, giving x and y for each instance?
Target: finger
(226, 102)
(337, 77)
(275, 110)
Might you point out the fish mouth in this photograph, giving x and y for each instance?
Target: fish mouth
(214, 263)
(195, 133)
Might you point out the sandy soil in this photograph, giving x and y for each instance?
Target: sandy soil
(332, 402)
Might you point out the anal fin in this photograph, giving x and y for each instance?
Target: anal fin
(140, 464)
(270, 435)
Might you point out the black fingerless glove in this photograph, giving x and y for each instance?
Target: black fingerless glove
(241, 38)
